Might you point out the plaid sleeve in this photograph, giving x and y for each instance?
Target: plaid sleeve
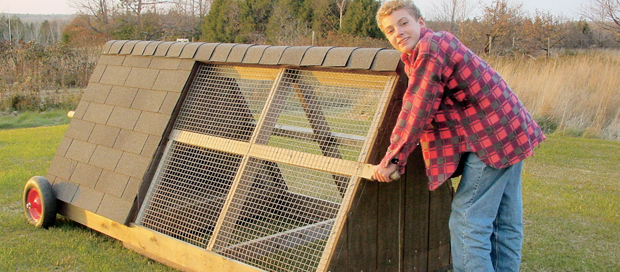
(420, 103)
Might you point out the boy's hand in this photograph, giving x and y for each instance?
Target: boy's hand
(382, 174)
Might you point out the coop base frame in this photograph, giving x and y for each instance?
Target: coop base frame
(155, 246)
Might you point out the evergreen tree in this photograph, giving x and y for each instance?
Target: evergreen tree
(222, 22)
(359, 19)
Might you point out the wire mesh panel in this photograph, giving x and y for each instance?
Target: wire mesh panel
(191, 187)
(273, 228)
(225, 101)
(254, 165)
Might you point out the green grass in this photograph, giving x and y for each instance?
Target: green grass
(66, 247)
(571, 202)
(35, 119)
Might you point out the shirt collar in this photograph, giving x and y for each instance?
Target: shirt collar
(408, 58)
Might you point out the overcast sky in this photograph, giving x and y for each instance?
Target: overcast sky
(569, 8)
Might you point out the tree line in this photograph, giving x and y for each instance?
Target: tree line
(500, 28)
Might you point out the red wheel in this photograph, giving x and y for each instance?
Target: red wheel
(39, 202)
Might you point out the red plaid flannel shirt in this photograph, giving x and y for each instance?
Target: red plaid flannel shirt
(457, 103)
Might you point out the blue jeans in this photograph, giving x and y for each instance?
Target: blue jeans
(486, 223)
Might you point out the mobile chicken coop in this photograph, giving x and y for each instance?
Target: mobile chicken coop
(236, 157)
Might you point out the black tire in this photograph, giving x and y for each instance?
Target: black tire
(39, 202)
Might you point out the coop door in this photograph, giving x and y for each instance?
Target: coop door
(260, 160)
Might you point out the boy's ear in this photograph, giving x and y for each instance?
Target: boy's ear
(422, 22)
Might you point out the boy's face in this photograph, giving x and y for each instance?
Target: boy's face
(402, 30)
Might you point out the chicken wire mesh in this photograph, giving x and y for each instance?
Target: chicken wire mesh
(213, 189)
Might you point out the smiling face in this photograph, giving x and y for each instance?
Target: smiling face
(402, 29)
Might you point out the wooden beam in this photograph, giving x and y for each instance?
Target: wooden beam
(278, 242)
(154, 245)
(276, 154)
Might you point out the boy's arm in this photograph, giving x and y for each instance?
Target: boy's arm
(420, 103)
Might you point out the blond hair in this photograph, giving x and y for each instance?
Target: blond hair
(388, 7)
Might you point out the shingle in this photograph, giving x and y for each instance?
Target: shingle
(112, 183)
(97, 73)
(121, 96)
(86, 175)
(151, 146)
(79, 129)
(107, 46)
(81, 109)
(293, 55)
(125, 118)
(80, 151)
(148, 100)
(221, 52)
(111, 60)
(151, 48)
(64, 190)
(338, 56)
(62, 167)
(96, 92)
(171, 80)
(115, 75)
(190, 49)
(128, 47)
(204, 52)
(315, 56)
(386, 60)
(170, 102)
(98, 113)
(51, 178)
(162, 49)
(116, 47)
(106, 158)
(133, 165)
(141, 78)
(130, 141)
(114, 208)
(362, 58)
(137, 61)
(238, 52)
(254, 54)
(152, 123)
(272, 55)
(165, 63)
(87, 198)
(175, 49)
(103, 135)
(131, 191)
(64, 145)
(187, 64)
(139, 48)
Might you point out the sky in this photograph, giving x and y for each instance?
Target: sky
(569, 8)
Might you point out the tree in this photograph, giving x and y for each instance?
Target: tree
(452, 11)
(499, 27)
(606, 14)
(359, 20)
(544, 31)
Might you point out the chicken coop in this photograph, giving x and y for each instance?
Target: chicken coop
(237, 157)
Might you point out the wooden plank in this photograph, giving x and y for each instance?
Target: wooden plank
(211, 142)
(363, 227)
(390, 226)
(279, 242)
(416, 214)
(154, 245)
(439, 232)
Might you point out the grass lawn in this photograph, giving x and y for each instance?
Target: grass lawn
(571, 198)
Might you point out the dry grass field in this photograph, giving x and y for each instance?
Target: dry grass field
(576, 95)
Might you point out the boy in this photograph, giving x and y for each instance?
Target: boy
(460, 110)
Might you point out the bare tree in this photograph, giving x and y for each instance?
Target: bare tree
(97, 13)
(342, 6)
(452, 11)
(606, 14)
